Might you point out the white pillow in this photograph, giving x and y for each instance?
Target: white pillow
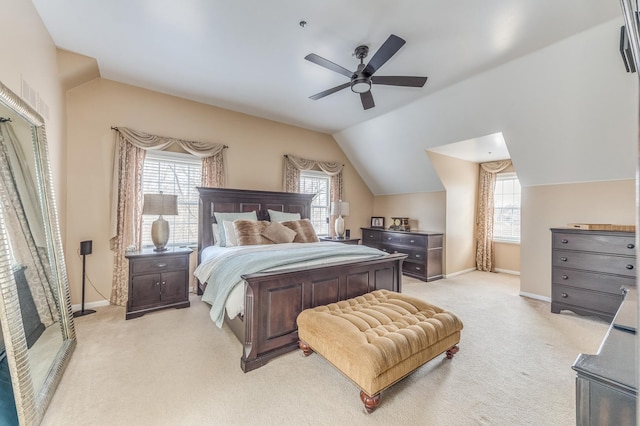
(230, 233)
(277, 216)
(221, 217)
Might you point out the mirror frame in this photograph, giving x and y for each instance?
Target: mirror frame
(31, 404)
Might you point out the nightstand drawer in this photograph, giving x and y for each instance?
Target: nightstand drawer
(159, 264)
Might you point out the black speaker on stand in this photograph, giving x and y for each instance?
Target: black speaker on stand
(85, 249)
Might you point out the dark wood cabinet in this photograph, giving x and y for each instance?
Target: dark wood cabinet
(423, 250)
(589, 268)
(157, 280)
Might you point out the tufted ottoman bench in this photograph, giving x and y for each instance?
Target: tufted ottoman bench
(378, 338)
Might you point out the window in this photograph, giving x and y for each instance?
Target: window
(506, 208)
(177, 174)
(312, 182)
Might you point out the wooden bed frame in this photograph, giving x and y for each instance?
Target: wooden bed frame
(273, 300)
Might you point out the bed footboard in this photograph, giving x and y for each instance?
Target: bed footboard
(274, 300)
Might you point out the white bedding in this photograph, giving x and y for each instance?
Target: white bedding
(214, 256)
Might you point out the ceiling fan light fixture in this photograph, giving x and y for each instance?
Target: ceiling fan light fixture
(360, 85)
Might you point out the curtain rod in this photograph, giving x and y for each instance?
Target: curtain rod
(115, 128)
(3, 119)
(286, 156)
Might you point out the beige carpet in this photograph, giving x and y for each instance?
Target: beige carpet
(175, 367)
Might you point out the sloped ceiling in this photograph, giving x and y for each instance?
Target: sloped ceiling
(568, 113)
(493, 66)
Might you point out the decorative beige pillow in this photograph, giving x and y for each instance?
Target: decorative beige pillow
(221, 217)
(278, 233)
(304, 231)
(248, 232)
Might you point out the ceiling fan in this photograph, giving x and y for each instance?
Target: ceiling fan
(362, 79)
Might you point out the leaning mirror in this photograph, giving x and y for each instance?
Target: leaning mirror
(36, 320)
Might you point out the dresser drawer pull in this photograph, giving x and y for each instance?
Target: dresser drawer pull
(630, 246)
(412, 241)
(418, 256)
(157, 283)
(371, 236)
(629, 266)
(161, 264)
(564, 241)
(565, 295)
(565, 277)
(564, 259)
(418, 268)
(389, 238)
(395, 251)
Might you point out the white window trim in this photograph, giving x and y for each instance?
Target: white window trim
(176, 157)
(323, 175)
(501, 240)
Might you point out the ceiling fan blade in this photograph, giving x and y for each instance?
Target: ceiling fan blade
(386, 51)
(367, 100)
(319, 60)
(401, 80)
(329, 91)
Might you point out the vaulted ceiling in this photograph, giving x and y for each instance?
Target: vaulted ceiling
(248, 56)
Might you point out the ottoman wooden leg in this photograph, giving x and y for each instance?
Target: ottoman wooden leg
(306, 349)
(370, 402)
(452, 351)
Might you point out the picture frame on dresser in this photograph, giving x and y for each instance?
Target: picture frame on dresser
(377, 222)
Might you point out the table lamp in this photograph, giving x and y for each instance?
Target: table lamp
(160, 204)
(340, 208)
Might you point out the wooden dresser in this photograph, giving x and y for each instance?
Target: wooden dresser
(589, 268)
(157, 280)
(423, 250)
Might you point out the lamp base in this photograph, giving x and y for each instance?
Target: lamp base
(339, 228)
(160, 234)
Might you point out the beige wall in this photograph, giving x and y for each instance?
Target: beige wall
(254, 160)
(506, 257)
(545, 207)
(28, 54)
(460, 179)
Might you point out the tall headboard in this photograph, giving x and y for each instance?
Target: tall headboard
(225, 200)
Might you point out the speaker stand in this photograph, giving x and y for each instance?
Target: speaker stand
(83, 311)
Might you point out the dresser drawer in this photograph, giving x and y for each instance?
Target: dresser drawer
(587, 299)
(370, 236)
(406, 240)
(611, 244)
(591, 280)
(159, 264)
(620, 265)
(412, 268)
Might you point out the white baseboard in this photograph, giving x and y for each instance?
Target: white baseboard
(535, 296)
(507, 271)
(455, 274)
(90, 305)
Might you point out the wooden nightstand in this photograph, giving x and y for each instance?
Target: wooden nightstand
(354, 241)
(157, 280)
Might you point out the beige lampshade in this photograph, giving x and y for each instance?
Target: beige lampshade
(160, 204)
(340, 208)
